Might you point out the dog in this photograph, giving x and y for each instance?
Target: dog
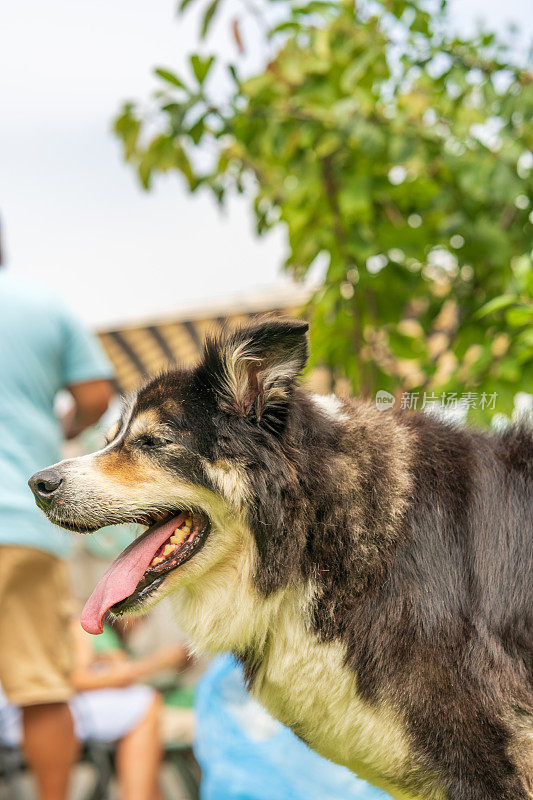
(372, 570)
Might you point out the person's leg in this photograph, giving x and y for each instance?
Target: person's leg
(139, 757)
(36, 660)
(50, 747)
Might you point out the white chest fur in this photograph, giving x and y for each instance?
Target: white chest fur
(305, 684)
(302, 682)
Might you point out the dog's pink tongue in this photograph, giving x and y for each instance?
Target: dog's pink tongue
(124, 574)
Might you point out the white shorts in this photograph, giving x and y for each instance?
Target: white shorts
(103, 715)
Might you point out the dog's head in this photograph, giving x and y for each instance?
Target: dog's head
(179, 461)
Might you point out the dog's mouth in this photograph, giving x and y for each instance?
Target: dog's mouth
(142, 567)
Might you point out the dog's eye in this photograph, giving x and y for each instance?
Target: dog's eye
(151, 442)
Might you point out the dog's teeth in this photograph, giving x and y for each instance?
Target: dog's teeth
(179, 535)
(177, 538)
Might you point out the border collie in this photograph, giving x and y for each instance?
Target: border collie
(371, 569)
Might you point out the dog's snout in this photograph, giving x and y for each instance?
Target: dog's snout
(45, 484)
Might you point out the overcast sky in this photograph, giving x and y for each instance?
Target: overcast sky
(72, 212)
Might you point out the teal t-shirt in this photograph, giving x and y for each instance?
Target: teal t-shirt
(43, 349)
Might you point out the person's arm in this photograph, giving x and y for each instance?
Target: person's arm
(107, 675)
(85, 372)
(91, 399)
(117, 674)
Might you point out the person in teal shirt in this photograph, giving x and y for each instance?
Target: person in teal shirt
(43, 349)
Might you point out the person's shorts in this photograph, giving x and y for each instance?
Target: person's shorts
(35, 612)
(102, 715)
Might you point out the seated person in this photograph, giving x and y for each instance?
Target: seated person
(109, 706)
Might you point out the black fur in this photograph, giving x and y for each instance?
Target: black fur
(436, 609)
(417, 535)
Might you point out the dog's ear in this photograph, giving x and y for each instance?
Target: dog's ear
(253, 369)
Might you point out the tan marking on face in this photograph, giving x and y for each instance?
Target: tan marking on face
(169, 406)
(120, 467)
(146, 422)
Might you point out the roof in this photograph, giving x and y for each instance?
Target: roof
(147, 348)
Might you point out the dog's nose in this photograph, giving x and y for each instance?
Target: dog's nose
(45, 484)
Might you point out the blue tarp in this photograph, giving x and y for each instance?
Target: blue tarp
(247, 755)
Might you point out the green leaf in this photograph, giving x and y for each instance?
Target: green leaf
(208, 18)
(284, 27)
(496, 304)
(232, 69)
(169, 77)
(314, 7)
(405, 346)
(354, 197)
(397, 7)
(183, 5)
(525, 337)
(509, 370)
(421, 22)
(128, 127)
(197, 130)
(201, 66)
(517, 317)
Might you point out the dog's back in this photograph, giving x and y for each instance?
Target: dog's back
(419, 543)
(449, 633)
(477, 490)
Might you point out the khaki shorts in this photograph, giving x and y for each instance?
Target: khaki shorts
(35, 612)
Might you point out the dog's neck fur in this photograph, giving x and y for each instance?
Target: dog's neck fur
(273, 636)
(223, 610)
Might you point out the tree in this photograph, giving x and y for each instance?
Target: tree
(397, 152)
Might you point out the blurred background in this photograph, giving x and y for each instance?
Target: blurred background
(165, 169)
(408, 141)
